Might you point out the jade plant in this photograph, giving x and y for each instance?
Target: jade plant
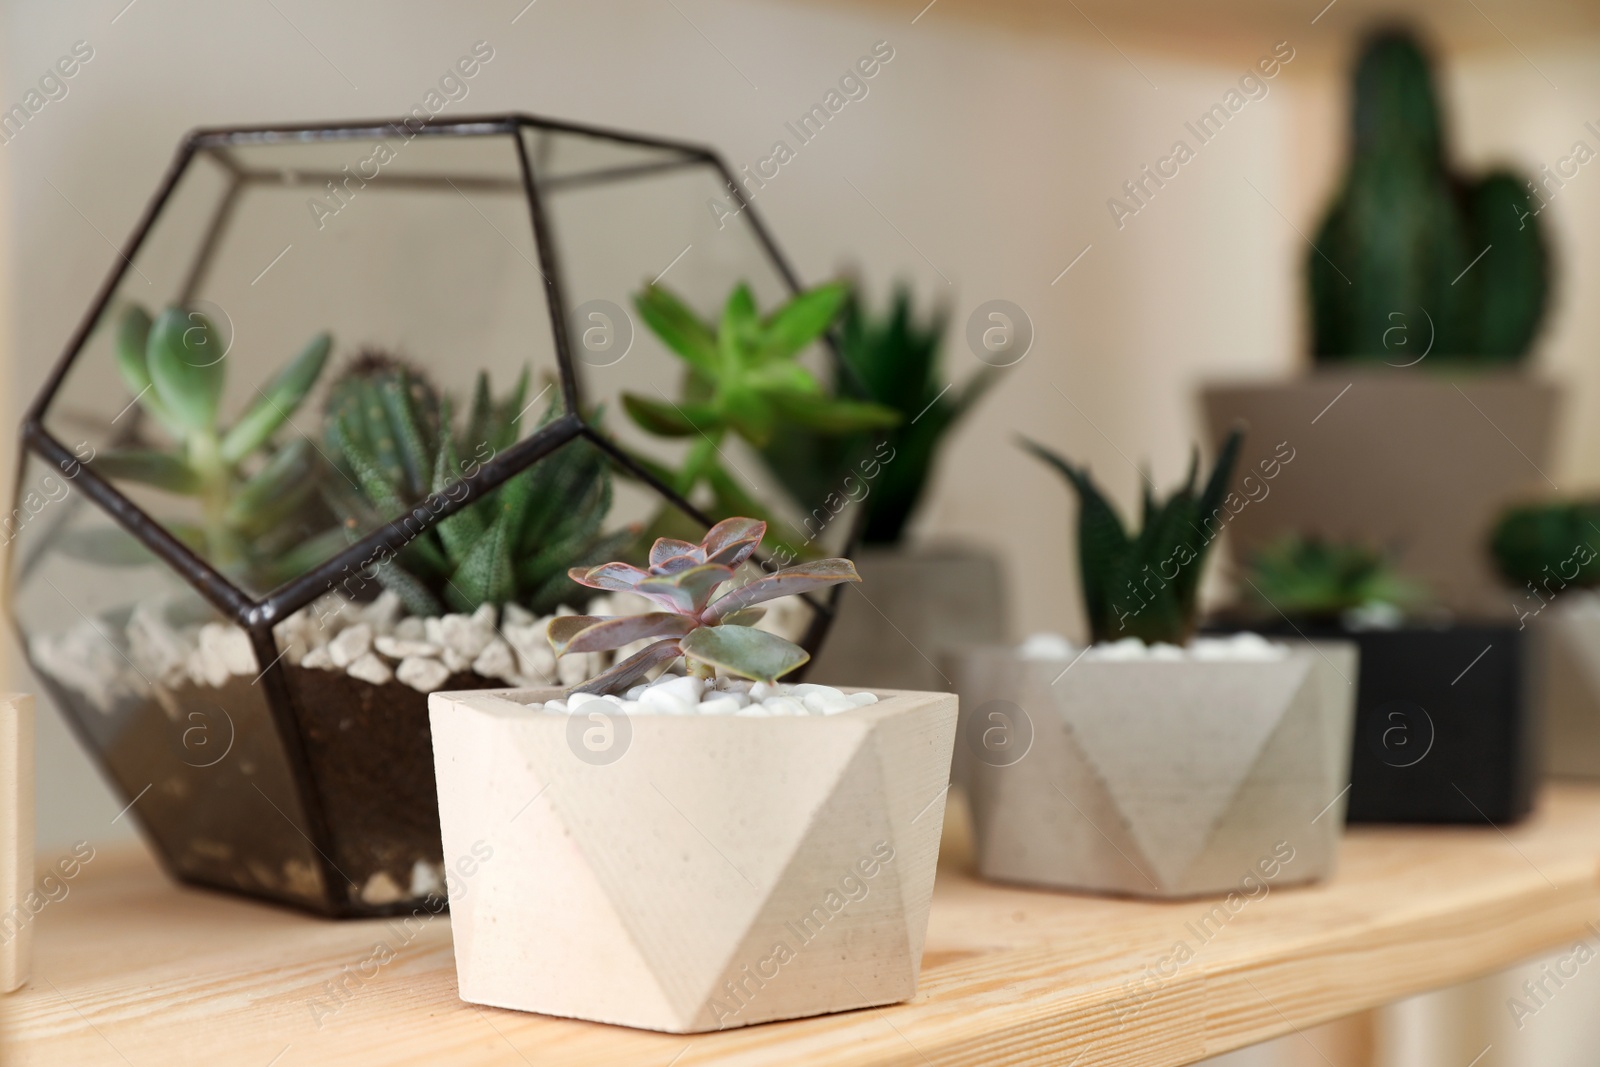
(1409, 240)
(1146, 584)
(709, 634)
(394, 438)
(1535, 544)
(891, 360)
(1309, 578)
(742, 378)
(253, 498)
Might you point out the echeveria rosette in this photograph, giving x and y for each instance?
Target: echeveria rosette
(711, 634)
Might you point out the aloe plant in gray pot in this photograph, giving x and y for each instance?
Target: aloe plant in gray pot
(1152, 763)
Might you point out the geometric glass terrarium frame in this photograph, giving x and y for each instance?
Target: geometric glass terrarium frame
(604, 212)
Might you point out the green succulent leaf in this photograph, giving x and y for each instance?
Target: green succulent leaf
(160, 469)
(803, 319)
(671, 420)
(632, 669)
(745, 651)
(670, 319)
(688, 590)
(276, 491)
(801, 578)
(833, 416)
(587, 633)
(185, 362)
(278, 402)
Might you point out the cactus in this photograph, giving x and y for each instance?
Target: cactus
(1307, 578)
(257, 503)
(1535, 544)
(394, 439)
(1396, 244)
(709, 634)
(895, 362)
(1146, 585)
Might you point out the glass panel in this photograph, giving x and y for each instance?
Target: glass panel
(680, 228)
(161, 690)
(418, 251)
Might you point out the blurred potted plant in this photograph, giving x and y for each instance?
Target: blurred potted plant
(1548, 555)
(1443, 732)
(704, 851)
(1427, 287)
(1154, 763)
(935, 597)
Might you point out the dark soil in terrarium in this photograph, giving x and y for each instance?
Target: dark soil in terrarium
(371, 759)
(214, 790)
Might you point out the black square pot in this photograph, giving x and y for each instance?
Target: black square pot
(1444, 731)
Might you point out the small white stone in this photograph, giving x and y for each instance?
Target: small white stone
(433, 630)
(828, 703)
(784, 706)
(487, 617)
(1163, 651)
(455, 661)
(400, 647)
(352, 643)
(463, 636)
(681, 686)
(636, 692)
(719, 706)
(427, 879)
(369, 668)
(496, 661)
(410, 629)
(1127, 648)
(317, 659)
(761, 691)
(754, 711)
(664, 701)
(382, 612)
(381, 889)
(517, 615)
(861, 700)
(554, 707)
(206, 666)
(422, 674)
(1046, 646)
(573, 669)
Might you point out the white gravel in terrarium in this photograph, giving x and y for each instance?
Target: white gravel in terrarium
(677, 694)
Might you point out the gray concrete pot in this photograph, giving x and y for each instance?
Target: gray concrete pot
(1566, 679)
(1155, 778)
(913, 607)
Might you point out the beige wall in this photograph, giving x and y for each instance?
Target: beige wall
(982, 155)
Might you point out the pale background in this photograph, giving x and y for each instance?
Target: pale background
(984, 154)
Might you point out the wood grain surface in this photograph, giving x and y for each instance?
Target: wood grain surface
(130, 969)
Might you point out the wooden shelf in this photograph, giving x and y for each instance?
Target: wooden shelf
(132, 969)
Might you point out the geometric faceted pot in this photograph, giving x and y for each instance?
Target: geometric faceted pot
(503, 245)
(919, 604)
(1161, 779)
(1445, 731)
(690, 873)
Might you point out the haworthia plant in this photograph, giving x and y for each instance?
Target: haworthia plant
(1146, 584)
(892, 360)
(257, 502)
(742, 377)
(1316, 580)
(395, 440)
(710, 634)
(1411, 251)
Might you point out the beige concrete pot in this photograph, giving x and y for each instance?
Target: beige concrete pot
(912, 607)
(1566, 680)
(690, 873)
(1157, 779)
(1414, 462)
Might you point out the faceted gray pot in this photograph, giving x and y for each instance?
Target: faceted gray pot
(913, 607)
(1163, 779)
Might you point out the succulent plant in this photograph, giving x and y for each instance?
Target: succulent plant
(710, 634)
(253, 498)
(1309, 578)
(1404, 228)
(893, 361)
(1146, 585)
(1540, 543)
(743, 378)
(393, 437)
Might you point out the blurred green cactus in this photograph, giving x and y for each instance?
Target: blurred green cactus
(256, 501)
(1407, 234)
(394, 439)
(1146, 585)
(1542, 543)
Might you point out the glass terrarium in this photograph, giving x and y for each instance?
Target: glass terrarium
(351, 403)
